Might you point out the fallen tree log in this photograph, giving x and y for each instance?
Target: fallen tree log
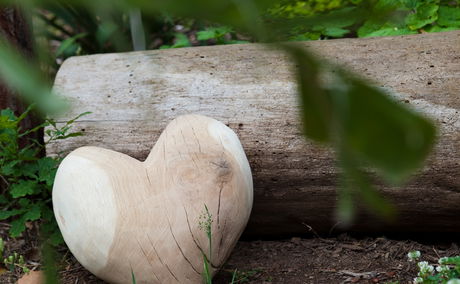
(132, 96)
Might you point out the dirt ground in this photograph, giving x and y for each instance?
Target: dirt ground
(342, 259)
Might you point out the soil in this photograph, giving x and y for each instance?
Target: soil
(342, 259)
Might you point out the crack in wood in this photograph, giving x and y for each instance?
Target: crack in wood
(194, 239)
(197, 140)
(148, 260)
(161, 261)
(180, 249)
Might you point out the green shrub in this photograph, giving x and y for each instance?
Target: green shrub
(318, 19)
(27, 177)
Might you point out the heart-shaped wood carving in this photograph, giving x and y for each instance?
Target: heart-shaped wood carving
(118, 214)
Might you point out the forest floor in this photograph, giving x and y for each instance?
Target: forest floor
(342, 259)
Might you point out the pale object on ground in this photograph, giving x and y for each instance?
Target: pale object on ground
(118, 214)
(33, 277)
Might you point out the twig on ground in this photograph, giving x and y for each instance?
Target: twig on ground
(310, 228)
(436, 252)
(366, 275)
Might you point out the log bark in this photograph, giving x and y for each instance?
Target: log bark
(14, 27)
(132, 96)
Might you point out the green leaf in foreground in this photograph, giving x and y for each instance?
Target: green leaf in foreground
(50, 263)
(315, 102)
(366, 126)
(383, 133)
(15, 68)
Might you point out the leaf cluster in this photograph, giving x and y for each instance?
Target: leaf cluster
(366, 126)
(318, 19)
(26, 176)
(447, 270)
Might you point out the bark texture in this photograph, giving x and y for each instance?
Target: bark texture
(132, 96)
(15, 29)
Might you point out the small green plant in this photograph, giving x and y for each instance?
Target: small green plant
(12, 261)
(447, 271)
(133, 278)
(26, 176)
(219, 35)
(243, 276)
(180, 40)
(205, 224)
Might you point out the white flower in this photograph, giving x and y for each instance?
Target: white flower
(442, 260)
(422, 265)
(425, 268)
(442, 268)
(413, 255)
(418, 280)
(453, 281)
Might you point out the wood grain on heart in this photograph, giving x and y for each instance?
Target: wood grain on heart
(118, 214)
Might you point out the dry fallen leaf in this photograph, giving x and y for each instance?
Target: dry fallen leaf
(33, 277)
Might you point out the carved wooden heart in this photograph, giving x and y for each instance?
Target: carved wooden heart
(118, 214)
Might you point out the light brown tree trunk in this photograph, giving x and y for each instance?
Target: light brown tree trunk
(132, 96)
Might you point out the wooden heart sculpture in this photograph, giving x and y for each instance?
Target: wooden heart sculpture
(118, 214)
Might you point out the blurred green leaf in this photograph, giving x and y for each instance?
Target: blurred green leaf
(105, 31)
(367, 127)
(449, 16)
(389, 22)
(383, 133)
(15, 68)
(435, 29)
(346, 207)
(315, 103)
(50, 264)
(181, 40)
(335, 32)
(69, 46)
(426, 13)
(357, 182)
(354, 185)
(374, 128)
(213, 33)
(389, 31)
